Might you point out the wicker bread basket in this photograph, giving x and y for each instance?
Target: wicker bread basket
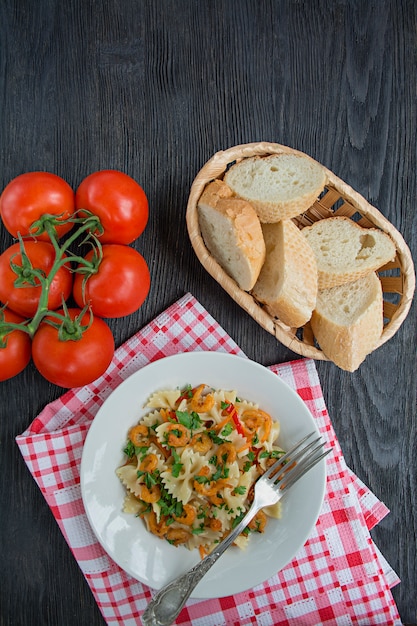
(397, 277)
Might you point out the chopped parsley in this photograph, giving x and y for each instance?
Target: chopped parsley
(248, 464)
(151, 478)
(214, 437)
(190, 420)
(187, 392)
(131, 450)
(238, 519)
(177, 465)
(169, 506)
(202, 480)
(221, 472)
(202, 513)
(227, 430)
(277, 454)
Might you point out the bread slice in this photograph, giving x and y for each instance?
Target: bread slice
(348, 321)
(287, 283)
(232, 233)
(279, 186)
(345, 251)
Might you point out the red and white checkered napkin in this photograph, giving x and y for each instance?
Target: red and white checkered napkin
(338, 577)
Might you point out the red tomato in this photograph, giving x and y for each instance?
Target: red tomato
(119, 202)
(16, 355)
(31, 195)
(73, 363)
(120, 286)
(25, 300)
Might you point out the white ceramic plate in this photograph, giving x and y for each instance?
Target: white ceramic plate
(153, 561)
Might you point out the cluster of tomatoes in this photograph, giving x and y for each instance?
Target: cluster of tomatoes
(71, 345)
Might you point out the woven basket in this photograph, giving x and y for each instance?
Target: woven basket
(397, 277)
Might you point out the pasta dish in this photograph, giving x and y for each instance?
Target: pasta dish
(191, 463)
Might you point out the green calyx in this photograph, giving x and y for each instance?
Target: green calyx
(69, 329)
(26, 274)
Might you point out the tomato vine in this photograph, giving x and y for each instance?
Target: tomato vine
(52, 226)
(26, 274)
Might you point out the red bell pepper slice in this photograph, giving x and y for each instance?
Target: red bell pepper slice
(231, 409)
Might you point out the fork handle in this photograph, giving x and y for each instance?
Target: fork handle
(168, 602)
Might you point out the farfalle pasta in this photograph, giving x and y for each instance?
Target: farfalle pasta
(191, 463)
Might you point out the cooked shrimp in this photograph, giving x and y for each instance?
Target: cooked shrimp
(177, 536)
(157, 528)
(149, 463)
(202, 403)
(205, 488)
(205, 471)
(256, 420)
(139, 434)
(215, 524)
(201, 442)
(177, 435)
(188, 515)
(226, 453)
(150, 495)
(216, 498)
(252, 421)
(258, 523)
(211, 487)
(153, 439)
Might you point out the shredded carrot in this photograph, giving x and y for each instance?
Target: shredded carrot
(168, 415)
(164, 414)
(245, 447)
(267, 428)
(202, 551)
(223, 423)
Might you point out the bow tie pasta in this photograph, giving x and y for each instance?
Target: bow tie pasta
(191, 463)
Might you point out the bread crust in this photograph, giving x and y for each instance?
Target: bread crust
(279, 187)
(346, 339)
(232, 232)
(287, 283)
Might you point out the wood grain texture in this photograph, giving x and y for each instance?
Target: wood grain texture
(154, 88)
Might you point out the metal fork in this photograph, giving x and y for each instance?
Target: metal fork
(269, 489)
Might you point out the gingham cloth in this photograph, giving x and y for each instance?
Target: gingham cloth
(338, 578)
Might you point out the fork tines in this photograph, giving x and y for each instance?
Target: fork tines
(297, 461)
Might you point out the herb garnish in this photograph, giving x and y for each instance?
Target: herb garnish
(177, 465)
(190, 420)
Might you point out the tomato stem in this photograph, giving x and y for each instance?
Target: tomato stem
(7, 327)
(26, 274)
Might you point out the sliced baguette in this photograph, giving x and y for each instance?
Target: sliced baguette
(279, 186)
(348, 321)
(345, 251)
(287, 283)
(232, 233)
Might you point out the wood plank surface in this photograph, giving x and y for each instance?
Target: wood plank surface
(154, 88)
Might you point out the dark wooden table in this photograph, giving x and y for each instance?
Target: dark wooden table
(154, 88)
